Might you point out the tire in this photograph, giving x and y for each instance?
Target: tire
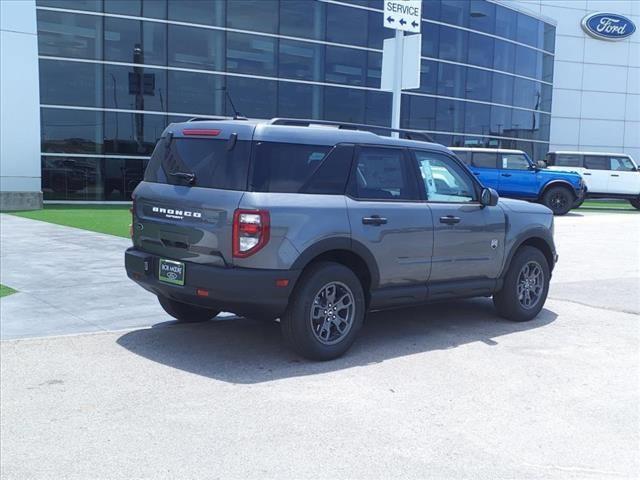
(558, 199)
(635, 203)
(186, 313)
(507, 301)
(307, 328)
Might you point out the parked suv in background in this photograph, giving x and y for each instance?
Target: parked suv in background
(514, 175)
(606, 175)
(316, 224)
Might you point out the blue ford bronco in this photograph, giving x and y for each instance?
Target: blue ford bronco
(514, 175)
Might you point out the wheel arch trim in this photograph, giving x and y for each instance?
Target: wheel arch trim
(535, 237)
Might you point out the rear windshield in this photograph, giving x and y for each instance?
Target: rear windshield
(200, 162)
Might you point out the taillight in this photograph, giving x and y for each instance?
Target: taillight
(250, 231)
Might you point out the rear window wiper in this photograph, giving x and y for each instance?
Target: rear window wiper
(188, 177)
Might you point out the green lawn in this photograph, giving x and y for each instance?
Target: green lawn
(6, 291)
(607, 205)
(111, 219)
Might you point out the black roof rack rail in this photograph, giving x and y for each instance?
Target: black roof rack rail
(215, 119)
(298, 122)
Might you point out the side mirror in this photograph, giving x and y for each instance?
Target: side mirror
(541, 164)
(489, 197)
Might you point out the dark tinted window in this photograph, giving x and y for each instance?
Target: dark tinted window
(344, 104)
(480, 50)
(187, 93)
(504, 56)
(206, 12)
(301, 18)
(464, 156)
(479, 84)
(381, 174)
(93, 5)
(70, 83)
(299, 100)
(482, 16)
(252, 97)
(69, 35)
(484, 159)
(134, 41)
(300, 60)
(251, 54)
(453, 44)
(71, 131)
(345, 66)
(284, 167)
(597, 162)
(346, 25)
(194, 47)
(135, 88)
(132, 133)
(253, 15)
(213, 165)
(331, 176)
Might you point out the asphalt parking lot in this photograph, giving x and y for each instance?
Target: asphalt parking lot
(97, 382)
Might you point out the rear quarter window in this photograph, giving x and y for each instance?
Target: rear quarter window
(485, 159)
(285, 167)
(564, 160)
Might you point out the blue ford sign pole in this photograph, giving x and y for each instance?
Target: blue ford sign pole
(608, 26)
(401, 16)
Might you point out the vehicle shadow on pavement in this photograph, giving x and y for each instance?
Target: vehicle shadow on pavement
(240, 350)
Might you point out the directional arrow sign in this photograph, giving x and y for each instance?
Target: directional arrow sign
(403, 15)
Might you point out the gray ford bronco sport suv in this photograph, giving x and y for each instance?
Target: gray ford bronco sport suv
(318, 223)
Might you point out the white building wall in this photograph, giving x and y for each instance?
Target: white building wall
(20, 170)
(596, 94)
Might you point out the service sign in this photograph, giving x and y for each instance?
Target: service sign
(403, 15)
(608, 26)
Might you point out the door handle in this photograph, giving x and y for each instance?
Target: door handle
(586, 173)
(376, 220)
(450, 220)
(505, 174)
(476, 173)
(615, 175)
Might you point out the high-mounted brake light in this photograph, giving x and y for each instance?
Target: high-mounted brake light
(203, 132)
(251, 230)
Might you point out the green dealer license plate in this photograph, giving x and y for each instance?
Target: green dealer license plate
(171, 272)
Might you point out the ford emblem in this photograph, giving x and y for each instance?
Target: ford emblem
(608, 26)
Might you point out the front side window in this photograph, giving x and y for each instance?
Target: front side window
(513, 161)
(444, 180)
(381, 174)
(597, 162)
(622, 164)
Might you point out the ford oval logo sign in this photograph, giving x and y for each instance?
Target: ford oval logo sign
(608, 26)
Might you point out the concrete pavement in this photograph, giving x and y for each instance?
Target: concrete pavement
(446, 391)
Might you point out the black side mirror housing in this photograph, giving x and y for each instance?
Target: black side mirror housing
(489, 197)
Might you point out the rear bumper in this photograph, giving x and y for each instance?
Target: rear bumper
(244, 291)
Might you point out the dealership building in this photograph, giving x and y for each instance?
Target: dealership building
(87, 86)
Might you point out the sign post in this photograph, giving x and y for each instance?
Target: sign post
(401, 16)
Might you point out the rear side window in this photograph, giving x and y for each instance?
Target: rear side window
(210, 162)
(564, 160)
(285, 167)
(485, 160)
(596, 162)
(464, 156)
(331, 177)
(382, 174)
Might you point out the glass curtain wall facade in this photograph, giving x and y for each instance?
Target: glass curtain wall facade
(114, 73)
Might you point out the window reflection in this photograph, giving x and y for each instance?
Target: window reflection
(251, 54)
(70, 83)
(477, 118)
(451, 80)
(299, 100)
(198, 48)
(71, 131)
(500, 120)
(526, 93)
(300, 60)
(482, 16)
(530, 30)
(378, 108)
(135, 88)
(253, 15)
(196, 93)
(132, 133)
(449, 115)
(69, 35)
(478, 84)
(453, 44)
(480, 50)
(419, 112)
(504, 56)
(345, 66)
(134, 41)
(252, 97)
(344, 104)
(205, 12)
(346, 25)
(301, 18)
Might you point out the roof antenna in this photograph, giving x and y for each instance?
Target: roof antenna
(236, 113)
